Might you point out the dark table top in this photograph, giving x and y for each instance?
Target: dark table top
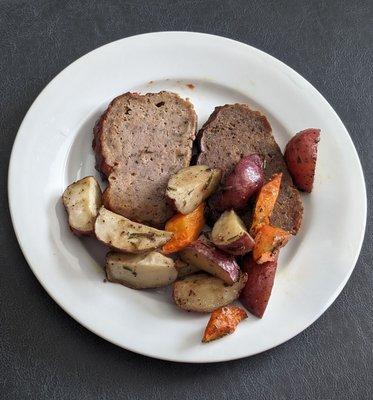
(45, 354)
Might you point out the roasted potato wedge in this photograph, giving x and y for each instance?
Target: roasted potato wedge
(265, 203)
(229, 234)
(125, 235)
(189, 187)
(186, 229)
(301, 156)
(140, 271)
(257, 291)
(205, 256)
(205, 293)
(223, 321)
(82, 200)
(268, 242)
(243, 182)
(183, 268)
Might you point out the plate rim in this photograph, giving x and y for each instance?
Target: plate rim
(12, 210)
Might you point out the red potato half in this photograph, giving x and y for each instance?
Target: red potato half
(140, 271)
(205, 293)
(82, 200)
(301, 156)
(125, 235)
(243, 182)
(205, 256)
(229, 234)
(189, 187)
(257, 291)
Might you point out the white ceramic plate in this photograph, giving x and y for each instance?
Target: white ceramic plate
(53, 149)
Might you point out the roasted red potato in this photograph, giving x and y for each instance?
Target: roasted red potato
(205, 293)
(257, 291)
(223, 321)
(301, 156)
(265, 203)
(229, 234)
(243, 182)
(203, 254)
(82, 200)
(189, 187)
(184, 269)
(127, 236)
(268, 242)
(140, 271)
(186, 229)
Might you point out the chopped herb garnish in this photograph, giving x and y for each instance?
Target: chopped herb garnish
(133, 235)
(171, 188)
(127, 268)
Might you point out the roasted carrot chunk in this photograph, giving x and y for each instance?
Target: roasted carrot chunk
(223, 321)
(186, 229)
(265, 203)
(268, 242)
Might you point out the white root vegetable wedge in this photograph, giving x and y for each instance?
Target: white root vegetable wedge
(140, 271)
(82, 200)
(229, 234)
(189, 187)
(205, 256)
(206, 293)
(183, 268)
(125, 235)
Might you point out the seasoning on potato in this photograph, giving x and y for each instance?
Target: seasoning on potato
(82, 200)
(189, 187)
(229, 234)
(125, 235)
(205, 293)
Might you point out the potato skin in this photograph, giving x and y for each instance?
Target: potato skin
(257, 291)
(230, 235)
(205, 256)
(301, 156)
(243, 182)
(239, 247)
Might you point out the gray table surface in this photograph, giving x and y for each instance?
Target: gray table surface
(45, 354)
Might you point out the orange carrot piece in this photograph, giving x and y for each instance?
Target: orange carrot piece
(268, 242)
(186, 229)
(223, 321)
(265, 203)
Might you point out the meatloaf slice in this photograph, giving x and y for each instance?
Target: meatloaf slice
(233, 131)
(139, 141)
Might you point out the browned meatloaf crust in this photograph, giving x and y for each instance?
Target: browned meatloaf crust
(139, 141)
(233, 131)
